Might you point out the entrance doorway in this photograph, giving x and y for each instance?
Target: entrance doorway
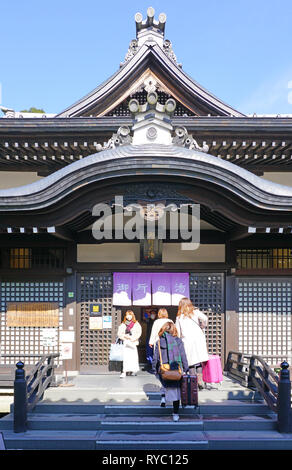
(143, 316)
(207, 292)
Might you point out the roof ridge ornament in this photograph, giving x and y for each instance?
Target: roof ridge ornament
(121, 137)
(150, 30)
(152, 123)
(152, 120)
(150, 21)
(184, 139)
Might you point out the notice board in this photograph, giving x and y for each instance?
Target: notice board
(32, 314)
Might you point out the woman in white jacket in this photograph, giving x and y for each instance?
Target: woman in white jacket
(129, 332)
(190, 322)
(157, 325)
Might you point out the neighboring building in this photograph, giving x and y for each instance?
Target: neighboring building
(151, 134)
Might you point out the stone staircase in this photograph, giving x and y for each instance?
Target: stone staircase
(74, 418)
(227, 425)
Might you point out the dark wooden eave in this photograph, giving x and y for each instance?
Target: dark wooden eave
(45, 145)
(233, 199)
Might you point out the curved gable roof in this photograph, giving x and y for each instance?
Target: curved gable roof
(149, 159)
(149, 57)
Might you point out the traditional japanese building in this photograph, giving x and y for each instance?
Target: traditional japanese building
(151, 135)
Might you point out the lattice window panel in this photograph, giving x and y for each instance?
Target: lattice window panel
(95, 344)
(207, 293)
(28, 340)
(123, 110)
(264, 309)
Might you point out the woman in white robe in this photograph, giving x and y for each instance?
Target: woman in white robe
(129, 332)
(190, 323)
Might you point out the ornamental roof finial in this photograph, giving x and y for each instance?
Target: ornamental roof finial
(150, 27)
(150, 31)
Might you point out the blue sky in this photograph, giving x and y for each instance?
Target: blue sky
(52, 53)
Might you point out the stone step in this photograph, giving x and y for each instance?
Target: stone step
(147, 422)
(210, 440)
(225, 408)
(188, 423)
(61, 422)
(92, 422)
(248, 440)
(50, 440)
(172, 440)
(152, 407)
(240, 423)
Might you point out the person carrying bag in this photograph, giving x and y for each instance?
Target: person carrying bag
(169, 363)
(129, 332)
(171, 371)
(190, 324)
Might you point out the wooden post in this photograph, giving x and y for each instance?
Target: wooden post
(251, 373)
(284, 399)
(20, 399)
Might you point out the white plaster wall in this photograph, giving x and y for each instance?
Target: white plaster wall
(109, 253)
(281, 178)
(130, 253)
(13, 179)
(172, 253)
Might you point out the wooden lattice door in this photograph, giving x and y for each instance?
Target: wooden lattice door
(207, 293)
(95, 338)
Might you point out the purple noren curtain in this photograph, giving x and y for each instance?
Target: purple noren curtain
(122, 289)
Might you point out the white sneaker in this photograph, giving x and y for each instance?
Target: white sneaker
(123, 375)
(175, 417)
(162, 402)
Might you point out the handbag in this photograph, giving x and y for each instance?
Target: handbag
(116, 351)
(166, 372)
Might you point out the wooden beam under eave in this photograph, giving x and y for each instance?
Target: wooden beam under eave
(60, 232)
(238, 234)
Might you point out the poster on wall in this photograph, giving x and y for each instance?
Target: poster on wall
(107, 322)
(66, 351)
(95, 323)
(67, 336)
(49, 337)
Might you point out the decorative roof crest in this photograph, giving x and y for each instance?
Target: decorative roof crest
(152, 124)
(183, 139)
(121, 137)
(150, 30)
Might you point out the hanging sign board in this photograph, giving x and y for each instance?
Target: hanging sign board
(32, 314)
(95, 310)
